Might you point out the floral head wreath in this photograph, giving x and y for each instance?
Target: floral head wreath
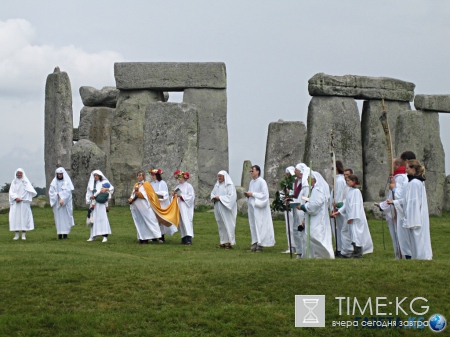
(155, 171)
(181, 174)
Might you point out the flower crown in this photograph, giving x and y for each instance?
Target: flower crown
(155, 171)
(181, 174)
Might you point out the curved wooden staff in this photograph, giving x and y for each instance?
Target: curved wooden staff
(333, 162)
(387, 133)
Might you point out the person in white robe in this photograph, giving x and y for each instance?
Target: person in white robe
(397, 189)
(414, 209)
(338, 199)
(60, 195)
(356, 238)
(21, 194)
(145, 220)
(186, 203)
(161, 189)
(259, 214)
(225, 209)
(100, 226)
(290, 171)
(319, 222)
(301, 190)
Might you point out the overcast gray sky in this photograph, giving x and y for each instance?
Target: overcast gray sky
(270, 48)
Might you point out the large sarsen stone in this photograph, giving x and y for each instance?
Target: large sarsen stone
(170, 140)
(285, 147)
(438, 103)
(170, 76)
(107, 96)
(361, 87)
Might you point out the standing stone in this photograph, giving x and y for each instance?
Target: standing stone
(447, 193)
(212, 136)
(418, 131)
(170, 76)
(58, 124)
(361, 87)
(127, 140)
(285, 147)
(341, 115)
(86, 157)
(170, 140)
(96, 126)
(375, 160)
(107, 96)
(246, 177)
(437, 103)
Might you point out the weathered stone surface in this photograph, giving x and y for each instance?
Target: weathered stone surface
(212, 136)
(86, 157)
(447, 193)
(96, 126)
(75, 136)
(375, 159)
(240, 192)
(107, 96)
(285, 147)
(418, 131)
(246, 177)
(341, 115)
(127, 139)
(4, 202)
(242, 205)
(58, 124)
(170, 76)
(438, 103)
(361, 87)
(170, 140)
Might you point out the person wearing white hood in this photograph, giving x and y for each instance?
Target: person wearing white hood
(60, 195)
(259, 215)
(317, 208)
(21, 193)
(100, 226)
(225, 209)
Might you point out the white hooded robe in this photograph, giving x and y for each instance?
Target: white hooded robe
(20, 215)
(62, 190)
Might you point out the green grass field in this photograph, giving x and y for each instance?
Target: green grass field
(78, 288)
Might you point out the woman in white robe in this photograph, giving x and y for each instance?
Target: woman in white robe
(259, 214)
(301, 186)
(186, 198)
(145, 220)
(161, 189)
(338, 199)
(21, 194)
(319, 222)
(60, 195)
(100, 226)
(415, 212)
(225, 209)
(356, 238)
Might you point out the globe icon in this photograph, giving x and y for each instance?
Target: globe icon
(437, 322)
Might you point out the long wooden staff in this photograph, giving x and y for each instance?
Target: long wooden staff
(308, 231)
(333, 197)
(387, 133)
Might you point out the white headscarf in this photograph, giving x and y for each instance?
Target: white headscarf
(67, 182)
(322, 184)
(227, 178)
(91, 180)
(290, 170)
(305, 173)
(28, 186)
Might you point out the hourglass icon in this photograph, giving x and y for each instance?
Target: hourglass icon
(310, 304)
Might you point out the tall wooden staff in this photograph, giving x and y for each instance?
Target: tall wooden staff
(308, 230)
(387, 133)
(333, 161)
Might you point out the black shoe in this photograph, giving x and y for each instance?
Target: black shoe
(408, 257)
(65, 237)
(60, 236)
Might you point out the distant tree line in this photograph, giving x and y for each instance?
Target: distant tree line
(39, 190)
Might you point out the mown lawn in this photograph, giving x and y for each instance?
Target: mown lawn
(78, 288)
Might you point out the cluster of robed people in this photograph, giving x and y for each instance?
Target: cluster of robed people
(318, 215)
